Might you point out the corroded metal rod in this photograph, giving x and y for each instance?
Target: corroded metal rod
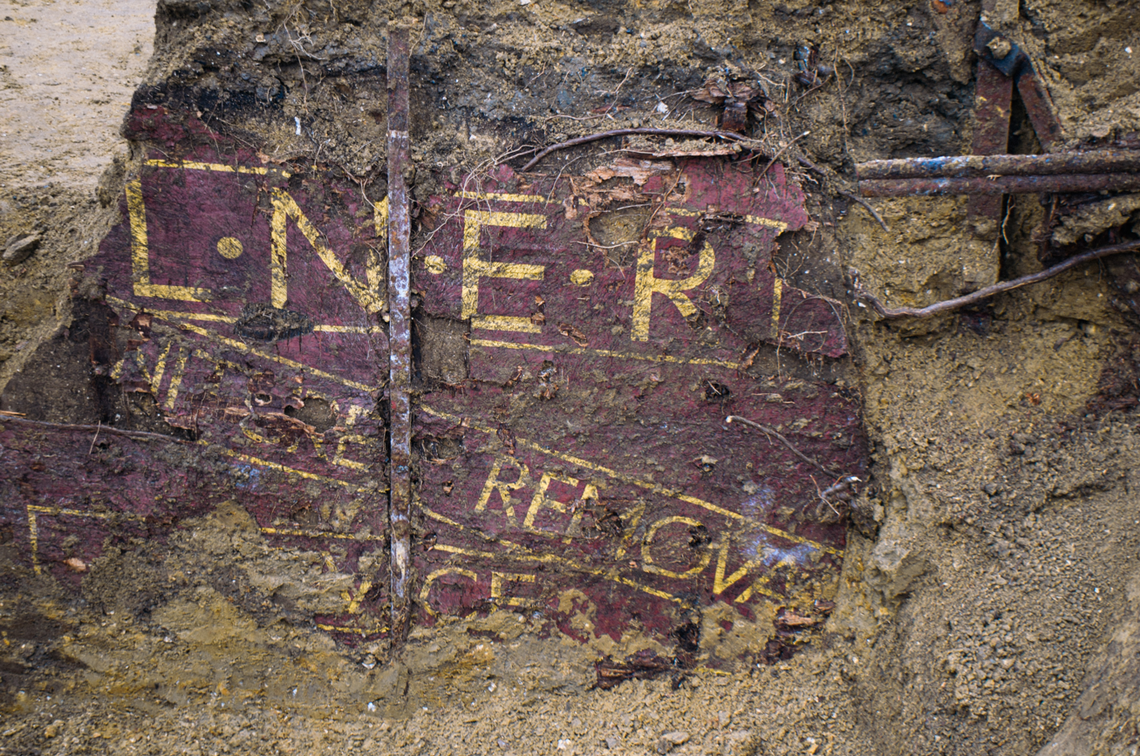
(1001, 185)
(989, 291)
(399, 332)
(977, 166)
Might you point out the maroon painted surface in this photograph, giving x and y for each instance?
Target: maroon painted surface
(71, 492)
(712, 195)
(582, 474)
(240, 399)
(654, 508)
(57, 482)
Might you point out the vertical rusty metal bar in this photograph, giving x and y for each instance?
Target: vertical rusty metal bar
(993, 100)
(993, 97)
(399, 332)
(1039, 107)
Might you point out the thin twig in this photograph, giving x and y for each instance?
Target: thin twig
(810, 165)
(661, 204)
(773, 432)
(866, 204)
(98, 428)
(624, 132)
(69, 427)
(989, 291)
(776, 157)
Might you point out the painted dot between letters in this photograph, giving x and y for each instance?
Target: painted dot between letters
(229, 248)
(582, 277)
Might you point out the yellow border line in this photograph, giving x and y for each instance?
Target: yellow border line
(506, 197)
(34, 531)
(293, 533)
(662, 490)
(755, 220)
(562, 349)
(553, 559)
(233, 344)
(288, 470)
(242, 347)
(192, 165)
(530, 556)
(383, 629)
(33, 528)
(213, 317)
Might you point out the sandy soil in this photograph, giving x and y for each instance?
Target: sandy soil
(67, 72)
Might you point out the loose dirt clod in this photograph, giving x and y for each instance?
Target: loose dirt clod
(19, 249)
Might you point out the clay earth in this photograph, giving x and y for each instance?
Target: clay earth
(181, 573)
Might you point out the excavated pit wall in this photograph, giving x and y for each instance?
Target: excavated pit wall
(976, 597)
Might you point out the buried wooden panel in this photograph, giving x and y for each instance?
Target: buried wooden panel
(584, 474)
(576, 468)
(248, 306)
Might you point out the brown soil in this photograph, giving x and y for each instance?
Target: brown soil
(990, 584)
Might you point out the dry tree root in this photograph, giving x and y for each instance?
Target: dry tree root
(989, 291)
(782, 439)
(623, 132)
(867, 205)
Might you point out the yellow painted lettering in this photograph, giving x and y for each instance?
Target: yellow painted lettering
(541, 500)
(476, 267)
(355, 412)
(504, 488)
(140, 255)
(647, 283)
(285, 209)
(380, 219)
(175, 381)
(722, 584)
(354, 601)
(777, 295)
(497, 580)
(431, 579)
(342, 445)
(159, 369)
(647, 555)
(632, 520)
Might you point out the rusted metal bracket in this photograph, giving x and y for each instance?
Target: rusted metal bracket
(1017, 67)
(993, 99)
(988, 174)
(399, 332)
(995, 186)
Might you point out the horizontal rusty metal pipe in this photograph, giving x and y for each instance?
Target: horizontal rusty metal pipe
(907, 187)
(979, 166)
